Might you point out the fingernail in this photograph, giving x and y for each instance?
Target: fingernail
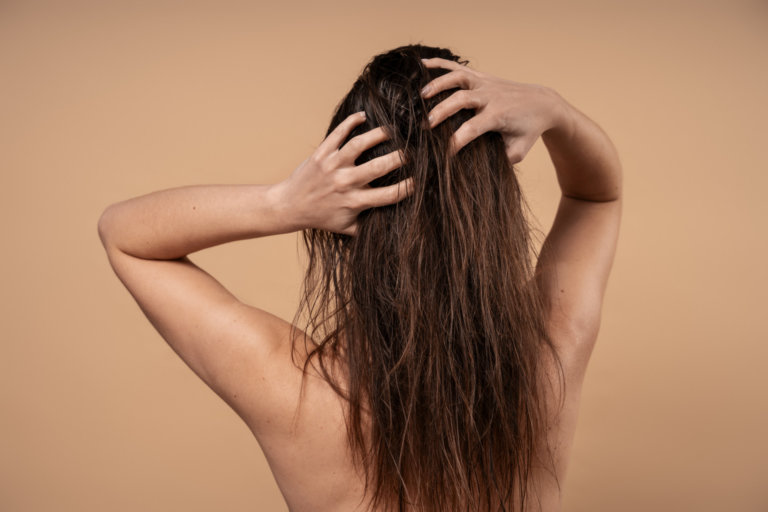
(430, 119)
(425, 90)
(362, 114)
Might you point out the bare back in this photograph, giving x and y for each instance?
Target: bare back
(309, 456)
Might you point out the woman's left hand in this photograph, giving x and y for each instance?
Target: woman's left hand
(327, 190)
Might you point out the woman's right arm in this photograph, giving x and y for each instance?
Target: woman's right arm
(577, 254)
(575, 261)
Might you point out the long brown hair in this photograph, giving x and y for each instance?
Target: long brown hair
(432, 309)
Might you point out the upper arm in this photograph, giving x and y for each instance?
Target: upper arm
(574, 263)
(236, 349)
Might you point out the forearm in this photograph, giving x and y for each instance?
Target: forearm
(172, 223)
(585, 159)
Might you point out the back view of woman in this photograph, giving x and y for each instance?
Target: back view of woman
(435, 362)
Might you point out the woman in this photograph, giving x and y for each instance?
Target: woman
(440, 366)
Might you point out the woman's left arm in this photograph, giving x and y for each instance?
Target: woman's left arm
(169, 224)
(232, 346)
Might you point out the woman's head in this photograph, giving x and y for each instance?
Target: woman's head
(388, 90)
(431, 306)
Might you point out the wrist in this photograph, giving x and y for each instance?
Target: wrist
(285, 207)
(562, 121)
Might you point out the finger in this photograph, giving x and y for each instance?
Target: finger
(457, 78)
(379, 167)
(356, 145)
(459, 100)
(439, 62)
(390, 194)
(340, 133)
(469, 131)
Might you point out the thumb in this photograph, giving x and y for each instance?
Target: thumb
(517, 150)
(351, 230)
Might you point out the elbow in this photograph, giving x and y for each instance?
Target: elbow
(585, 330)
(104, 226)
(575, 333)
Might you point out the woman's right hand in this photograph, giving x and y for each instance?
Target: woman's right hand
(520, 112)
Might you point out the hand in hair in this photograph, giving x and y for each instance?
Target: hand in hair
(329, 190)
(520, 112)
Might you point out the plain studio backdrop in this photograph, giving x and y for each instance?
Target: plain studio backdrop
(108, 100)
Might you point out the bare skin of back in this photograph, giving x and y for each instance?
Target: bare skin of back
(244, 353)
(309, 458)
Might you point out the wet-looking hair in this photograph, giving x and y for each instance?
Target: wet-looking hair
(432, 309)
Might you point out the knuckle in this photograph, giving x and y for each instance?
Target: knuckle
(465, 97)
(388, 163)
(332, 164)
(465, 72)
(470, 129)
(354, 202)
(356, 144)
(461, 95)
(476, 100)
(376, 167)
(342, 180)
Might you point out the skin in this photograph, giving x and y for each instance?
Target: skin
(243, 353)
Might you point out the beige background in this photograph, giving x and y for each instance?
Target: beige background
(108, 100)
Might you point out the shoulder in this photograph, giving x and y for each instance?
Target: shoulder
(299, 422)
